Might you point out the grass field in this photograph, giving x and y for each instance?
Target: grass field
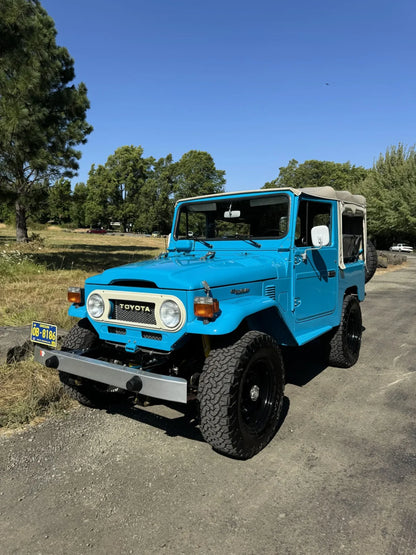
(34, 279)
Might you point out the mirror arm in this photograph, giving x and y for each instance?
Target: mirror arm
(304, 255)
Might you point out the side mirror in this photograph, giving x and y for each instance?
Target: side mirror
(320, 236)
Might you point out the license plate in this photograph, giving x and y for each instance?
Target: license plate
(46, 334)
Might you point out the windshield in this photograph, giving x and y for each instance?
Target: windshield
(260, 217)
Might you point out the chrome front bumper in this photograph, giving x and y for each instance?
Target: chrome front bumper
(168, 388)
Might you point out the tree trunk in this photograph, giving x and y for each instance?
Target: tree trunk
(21, 227)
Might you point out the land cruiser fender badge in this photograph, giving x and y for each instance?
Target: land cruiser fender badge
(240, 291)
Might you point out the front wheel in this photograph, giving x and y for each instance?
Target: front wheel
(241, 395)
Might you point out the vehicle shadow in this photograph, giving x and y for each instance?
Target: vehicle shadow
(181, 420)
(303, 364)
(185, 424)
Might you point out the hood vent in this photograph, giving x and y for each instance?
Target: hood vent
(270, 291)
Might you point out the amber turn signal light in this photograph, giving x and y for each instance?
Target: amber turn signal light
(206, 307)
(75, 295)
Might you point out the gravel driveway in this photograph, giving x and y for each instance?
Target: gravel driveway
(339, 477)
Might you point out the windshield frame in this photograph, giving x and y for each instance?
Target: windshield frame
(215, 206)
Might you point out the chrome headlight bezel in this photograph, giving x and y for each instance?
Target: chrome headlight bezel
(170, 314)
(95, 305)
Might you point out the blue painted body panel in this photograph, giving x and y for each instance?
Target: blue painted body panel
(183, 271)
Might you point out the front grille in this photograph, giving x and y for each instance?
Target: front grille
(133, 311)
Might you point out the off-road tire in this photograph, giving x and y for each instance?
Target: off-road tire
(370, 261)
(241, 395)
(345, 343)
(80, 339)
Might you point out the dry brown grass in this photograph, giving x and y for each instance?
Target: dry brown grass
(29, 391)
(390, 268)
(34, 279)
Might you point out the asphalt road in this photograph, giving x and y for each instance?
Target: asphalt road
(339, 477)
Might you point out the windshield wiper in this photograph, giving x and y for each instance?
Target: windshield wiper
(248, 240)
(202, 241)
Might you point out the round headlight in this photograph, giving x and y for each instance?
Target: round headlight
(170, 314)
(95, 305)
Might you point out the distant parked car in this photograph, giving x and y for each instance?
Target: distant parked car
(97, 230)
(400, 247)
(155, 234)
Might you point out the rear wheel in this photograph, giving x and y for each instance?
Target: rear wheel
(241, 395)
(80, 339)
(344, 346)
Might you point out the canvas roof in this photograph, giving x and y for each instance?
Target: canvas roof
(327, 192)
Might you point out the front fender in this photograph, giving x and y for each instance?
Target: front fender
(232, 313)
(77, 311)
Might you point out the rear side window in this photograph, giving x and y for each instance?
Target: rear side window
(352, 237)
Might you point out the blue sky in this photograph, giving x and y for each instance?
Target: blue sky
(253, 83)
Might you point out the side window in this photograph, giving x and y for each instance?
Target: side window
(311, 213)
(352, 237)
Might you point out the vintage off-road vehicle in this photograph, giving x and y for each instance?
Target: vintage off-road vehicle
(243, 275)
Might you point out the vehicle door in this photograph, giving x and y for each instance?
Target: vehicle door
(315, 269)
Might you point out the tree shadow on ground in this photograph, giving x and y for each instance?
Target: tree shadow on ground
(93, 258)
(7, 239)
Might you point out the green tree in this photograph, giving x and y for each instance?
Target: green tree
(98, 208)
(142, 191)
(6, 209)
(42, 116)
(77, 210)
(196, 174)
(390, 189)
(317, 173)
(156, 199)
(114, 190)
(127, 172)
(60, 198)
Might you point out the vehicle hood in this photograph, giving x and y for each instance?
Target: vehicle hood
(187, 272)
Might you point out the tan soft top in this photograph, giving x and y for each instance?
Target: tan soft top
(320, 192)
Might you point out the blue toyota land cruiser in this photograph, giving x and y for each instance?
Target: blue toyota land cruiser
(244, 274)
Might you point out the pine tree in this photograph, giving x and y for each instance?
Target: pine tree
(42, 116)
